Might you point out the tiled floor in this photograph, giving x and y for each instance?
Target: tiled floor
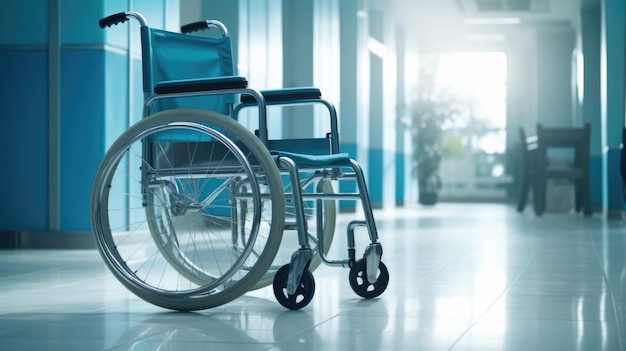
(463, 277)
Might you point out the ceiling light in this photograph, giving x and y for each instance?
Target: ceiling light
(493, 20)
(484, 38)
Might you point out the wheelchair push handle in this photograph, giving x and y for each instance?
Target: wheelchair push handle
(203, 25)
(121, 17)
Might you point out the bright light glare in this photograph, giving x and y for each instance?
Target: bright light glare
(492, 20)
(483, 75)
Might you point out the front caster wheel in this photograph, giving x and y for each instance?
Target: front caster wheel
(304, 293)
(360, 285)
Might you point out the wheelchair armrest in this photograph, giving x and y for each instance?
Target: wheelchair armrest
(203, 84)
(286, 95)
(315, 161)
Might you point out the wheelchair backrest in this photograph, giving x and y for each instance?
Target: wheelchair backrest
(169, 56)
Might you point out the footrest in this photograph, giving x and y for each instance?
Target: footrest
(204, 84)
(285, 95)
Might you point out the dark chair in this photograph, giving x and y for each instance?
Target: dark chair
(528, 147)
(571, 138)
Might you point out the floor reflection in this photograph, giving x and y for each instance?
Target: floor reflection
(462, 277)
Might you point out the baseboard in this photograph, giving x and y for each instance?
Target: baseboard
(46, 240)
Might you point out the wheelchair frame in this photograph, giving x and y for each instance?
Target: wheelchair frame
(248, 170)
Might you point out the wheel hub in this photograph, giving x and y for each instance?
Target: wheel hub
(178, 208)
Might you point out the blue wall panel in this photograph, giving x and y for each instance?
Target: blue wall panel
(595, 181)
(345, 187)
(615, 201)
(400, 172)
(375, 177)
(114, 6)
(615, 197)
(24, 22)
(79, 22)
(82, 133)
(137, 94)
(116, 97)
(24, 140)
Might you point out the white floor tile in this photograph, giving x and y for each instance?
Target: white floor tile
(463, 277)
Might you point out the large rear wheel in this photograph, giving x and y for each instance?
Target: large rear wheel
(167, 206)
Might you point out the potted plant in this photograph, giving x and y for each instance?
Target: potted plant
(434, 109)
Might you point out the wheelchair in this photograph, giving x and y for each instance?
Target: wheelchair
(190, 208)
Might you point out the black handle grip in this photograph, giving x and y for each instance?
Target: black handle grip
(194, 27)
(113, 19)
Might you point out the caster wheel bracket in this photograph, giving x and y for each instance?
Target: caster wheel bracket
(373, 253)
(299, 263)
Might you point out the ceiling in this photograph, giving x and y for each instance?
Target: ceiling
(440, 23)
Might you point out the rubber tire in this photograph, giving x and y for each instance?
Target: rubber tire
(304, 292)
(359, 283)
(195, 298)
